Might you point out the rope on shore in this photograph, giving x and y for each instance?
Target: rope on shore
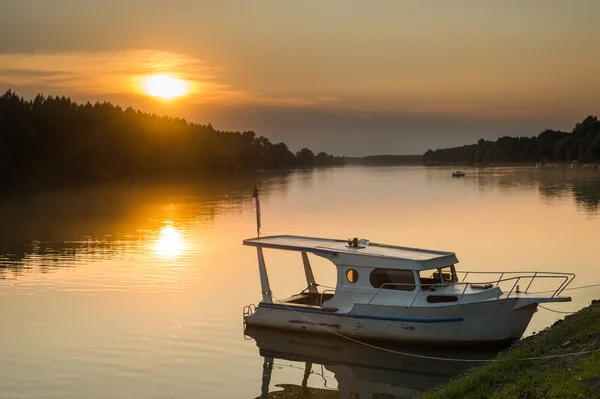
(424, 356)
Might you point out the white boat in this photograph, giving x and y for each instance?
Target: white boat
(401, 294)
(458, 173)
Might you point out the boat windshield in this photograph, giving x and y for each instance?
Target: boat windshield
(442, 275)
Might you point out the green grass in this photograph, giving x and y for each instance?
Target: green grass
(513, 377)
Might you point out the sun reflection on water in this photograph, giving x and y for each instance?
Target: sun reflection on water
(170, 243)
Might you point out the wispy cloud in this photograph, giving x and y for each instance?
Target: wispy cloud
(100, 73)
(121, 72)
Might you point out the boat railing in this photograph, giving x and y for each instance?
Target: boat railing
(249, 310)
(565, 278)
(323, 294)
(386, 286)
(517, 277)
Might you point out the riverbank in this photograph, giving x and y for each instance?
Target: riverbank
(558, 377)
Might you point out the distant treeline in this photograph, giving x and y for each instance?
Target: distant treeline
(384, 160)
(54, 138)
(582, 144)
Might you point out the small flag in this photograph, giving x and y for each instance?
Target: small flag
(256, 205)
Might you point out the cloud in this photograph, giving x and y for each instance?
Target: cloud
(121, 73)
(114, 72)
(33, 73)
(342, 123)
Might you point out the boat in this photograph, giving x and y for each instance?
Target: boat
(394, 293)
(546, 165)
(385, 371)
(458, 173)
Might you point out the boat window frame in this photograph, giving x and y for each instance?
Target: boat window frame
(440, 274)
(398, 286)
(439, 279)
(453, 275)
(351, 270)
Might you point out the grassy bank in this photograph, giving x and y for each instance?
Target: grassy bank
(513, 377)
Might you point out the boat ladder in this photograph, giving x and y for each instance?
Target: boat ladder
(249, 310)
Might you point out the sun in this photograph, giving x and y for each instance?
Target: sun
(165, 86)
(169, 243)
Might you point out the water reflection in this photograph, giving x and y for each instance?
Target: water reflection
(358, 371)
(587, 194)
(170, 243)
(49, 229)
(583, 186)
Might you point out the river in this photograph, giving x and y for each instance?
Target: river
(136, 289)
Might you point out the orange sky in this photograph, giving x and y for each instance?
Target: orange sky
(348, 77)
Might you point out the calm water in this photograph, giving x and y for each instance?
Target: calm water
(136, 290)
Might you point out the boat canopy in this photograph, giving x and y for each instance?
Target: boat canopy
(355, 252)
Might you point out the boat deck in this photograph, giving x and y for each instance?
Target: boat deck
(308, 300)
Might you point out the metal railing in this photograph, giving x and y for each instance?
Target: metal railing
(387, 285)
(249, 310)
(323, 294)
(566, 278)
(528, 277)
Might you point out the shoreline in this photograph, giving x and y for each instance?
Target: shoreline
(510, 376)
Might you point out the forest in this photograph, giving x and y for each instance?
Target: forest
(54, 139)
(582, 144)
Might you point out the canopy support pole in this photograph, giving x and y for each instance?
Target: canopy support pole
(310, 278)
(264, 278)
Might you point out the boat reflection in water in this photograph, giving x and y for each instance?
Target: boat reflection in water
(361, 371)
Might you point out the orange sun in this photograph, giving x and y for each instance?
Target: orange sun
(165, 86)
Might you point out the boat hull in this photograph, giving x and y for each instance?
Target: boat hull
(483, 322)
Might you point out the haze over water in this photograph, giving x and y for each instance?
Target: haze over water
(345, 77)
(136, 289)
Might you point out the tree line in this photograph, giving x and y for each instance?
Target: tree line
(581, 144)
(55, 138)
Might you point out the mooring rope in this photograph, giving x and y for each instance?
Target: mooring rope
(567, 289)
(425, 356)
(555, 311)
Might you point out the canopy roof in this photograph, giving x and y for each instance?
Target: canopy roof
(373, 254)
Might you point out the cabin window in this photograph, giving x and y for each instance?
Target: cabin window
(393, 279)
(352, 275)
(448, 274)
(441, 276)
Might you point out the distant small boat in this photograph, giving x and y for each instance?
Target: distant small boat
(458, 173)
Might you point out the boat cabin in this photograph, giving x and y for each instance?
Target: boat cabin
(370, 273)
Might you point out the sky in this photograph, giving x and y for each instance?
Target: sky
(347, 77)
